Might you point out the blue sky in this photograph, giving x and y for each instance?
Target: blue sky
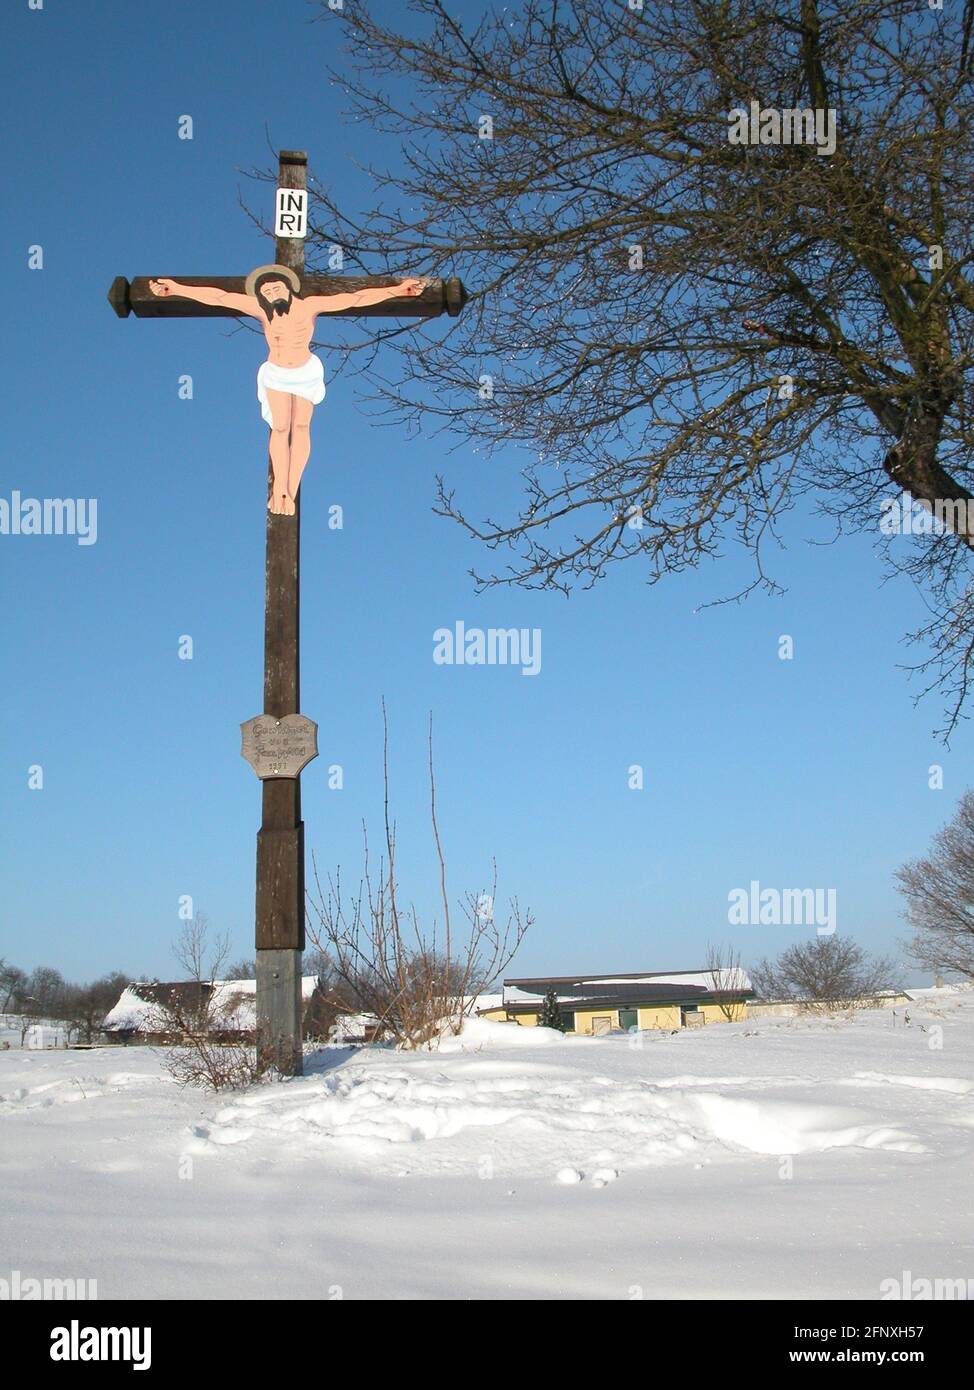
(804, 773)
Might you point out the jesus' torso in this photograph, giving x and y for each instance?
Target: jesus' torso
(289, 335)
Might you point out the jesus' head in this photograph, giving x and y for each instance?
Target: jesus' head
(274, 295)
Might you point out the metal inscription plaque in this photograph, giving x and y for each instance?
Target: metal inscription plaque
(279, 747)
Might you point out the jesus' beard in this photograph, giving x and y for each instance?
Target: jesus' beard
(277, 306)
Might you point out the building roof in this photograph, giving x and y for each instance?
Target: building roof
(613, 991)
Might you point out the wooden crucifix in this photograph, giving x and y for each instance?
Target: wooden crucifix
(278, 743)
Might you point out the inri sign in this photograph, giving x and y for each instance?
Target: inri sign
(291, 212)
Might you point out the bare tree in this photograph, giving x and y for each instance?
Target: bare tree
(30, 1013)
(201, 957)
(243, 969)
(727, 979)
(45, 994)
(47, 989)
(202, 960)
(939, 891)
(828, 973)
(86, 1006)
(685, 334)
(414, 980)
(202, 1020)
(13, 981)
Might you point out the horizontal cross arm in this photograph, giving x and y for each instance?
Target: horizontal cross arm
(134, 297)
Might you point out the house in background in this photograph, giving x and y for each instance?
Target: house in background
(597, 1004)
(43, 1036)
(158, 1012)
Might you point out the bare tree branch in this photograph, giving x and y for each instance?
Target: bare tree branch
(681, 337)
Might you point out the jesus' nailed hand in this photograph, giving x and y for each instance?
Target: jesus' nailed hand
(292, 380)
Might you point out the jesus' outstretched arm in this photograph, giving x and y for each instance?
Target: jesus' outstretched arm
(361, 299)
(207, 294)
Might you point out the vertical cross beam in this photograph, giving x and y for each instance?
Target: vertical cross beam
(280, 907)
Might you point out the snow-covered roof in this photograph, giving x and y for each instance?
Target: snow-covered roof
(234, 1004)
(131, 1012)
(352, 1027)
(627, 988)
(483, 1002)
(235, 1001)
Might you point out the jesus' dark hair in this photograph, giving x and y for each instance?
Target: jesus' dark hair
(268, 277)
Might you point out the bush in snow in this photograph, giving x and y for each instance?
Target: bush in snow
(551, 1015)
(416, 981)
(830, 972)
(197, 1015)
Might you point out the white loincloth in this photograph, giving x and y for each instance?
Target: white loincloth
(307, 381)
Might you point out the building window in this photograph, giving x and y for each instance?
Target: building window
(568, 1020)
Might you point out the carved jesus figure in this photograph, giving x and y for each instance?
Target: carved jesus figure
(292, 380)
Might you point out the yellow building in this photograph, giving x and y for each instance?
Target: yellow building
(599, 1004)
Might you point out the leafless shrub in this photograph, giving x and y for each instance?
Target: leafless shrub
(201, 1021)
(828, 973)
(202, 1050)
(725, 971)
(216, 1066)
(413, 980)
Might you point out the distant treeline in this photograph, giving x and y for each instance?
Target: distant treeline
(44, 993)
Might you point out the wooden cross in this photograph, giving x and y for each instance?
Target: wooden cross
(280, 906)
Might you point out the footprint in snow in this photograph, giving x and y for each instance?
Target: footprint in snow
(568, 1176)
(603, 1176)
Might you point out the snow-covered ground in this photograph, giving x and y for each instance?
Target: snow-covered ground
(795, 1158)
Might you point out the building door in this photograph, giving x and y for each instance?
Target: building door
(628, 1019)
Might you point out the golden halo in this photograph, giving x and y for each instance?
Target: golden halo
(284, 271)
